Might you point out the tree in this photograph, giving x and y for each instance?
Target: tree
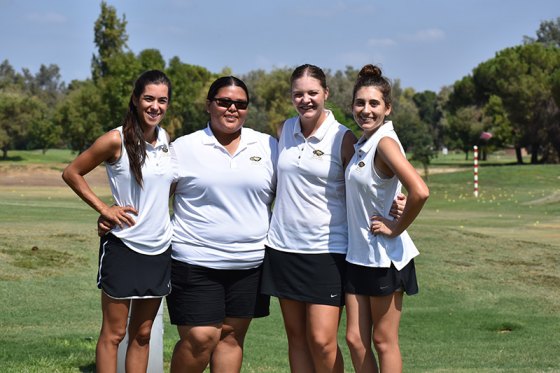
(18, 113)
(412, 131)
(271, 99)
(78, 115)
(110, 37)
(430, 112)
(548, 33)
(465, 125)
(190, 85)
(523, 78)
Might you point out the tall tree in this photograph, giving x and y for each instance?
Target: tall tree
(110, 39)
(522, 77)
(548, 33)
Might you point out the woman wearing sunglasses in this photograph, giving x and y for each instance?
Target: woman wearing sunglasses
(222, 207)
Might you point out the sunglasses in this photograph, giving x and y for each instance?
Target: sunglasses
(227, 102)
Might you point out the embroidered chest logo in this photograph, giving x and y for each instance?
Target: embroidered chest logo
(165, 149)
(361, 164)
(318, 153)
(255, 158)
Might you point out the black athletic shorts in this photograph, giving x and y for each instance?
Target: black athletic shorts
(309, 278)
(376, 282)
(206, 296)
(126, 274)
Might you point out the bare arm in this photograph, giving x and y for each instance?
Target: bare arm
(347, 147)
(105, 148)
(393, 162)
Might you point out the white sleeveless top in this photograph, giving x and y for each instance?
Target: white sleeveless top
(368, 193)
(309, 215)
(151, 235)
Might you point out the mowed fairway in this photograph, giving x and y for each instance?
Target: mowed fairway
(489, 274)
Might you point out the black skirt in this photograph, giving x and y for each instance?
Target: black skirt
(375, 281)
(309, 278)
(126, 274)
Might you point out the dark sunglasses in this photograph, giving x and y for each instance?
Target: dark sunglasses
(227, 102)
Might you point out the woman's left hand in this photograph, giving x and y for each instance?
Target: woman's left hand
(381, 225)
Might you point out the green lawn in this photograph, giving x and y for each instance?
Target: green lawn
(489, 274)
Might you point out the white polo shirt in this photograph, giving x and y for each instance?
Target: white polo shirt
(222, 203)
(309, 214)
(151, 235)
(368, 193)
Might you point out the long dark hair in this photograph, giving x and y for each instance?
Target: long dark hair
(133, 136)
(226, 81)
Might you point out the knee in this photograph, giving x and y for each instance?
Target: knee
(354, 340)
(321, 344)
(201, 342)
(384, 343)
(112, 336)
(143, 335)
(229, 337)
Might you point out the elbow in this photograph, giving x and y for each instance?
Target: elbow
(424, 194)
(65, 176)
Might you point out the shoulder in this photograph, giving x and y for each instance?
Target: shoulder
(112, 139)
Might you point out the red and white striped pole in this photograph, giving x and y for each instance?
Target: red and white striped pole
(476, 171)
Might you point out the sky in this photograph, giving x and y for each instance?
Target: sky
(425, 44)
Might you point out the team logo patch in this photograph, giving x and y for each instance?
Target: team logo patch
(165, 149)
(255, 158)
(318, 152)
(361, 164)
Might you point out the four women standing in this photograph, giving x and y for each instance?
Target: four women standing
(226, 186)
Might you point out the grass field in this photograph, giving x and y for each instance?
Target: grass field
(489, 274)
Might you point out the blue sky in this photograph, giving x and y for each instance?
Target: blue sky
(426, 44)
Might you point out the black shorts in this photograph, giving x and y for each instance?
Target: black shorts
(126, 274)
(376, 282)
(309, 278)
(206, 296)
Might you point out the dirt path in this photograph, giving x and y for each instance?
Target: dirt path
(44, 175)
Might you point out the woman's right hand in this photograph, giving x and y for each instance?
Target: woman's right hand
(116, 215)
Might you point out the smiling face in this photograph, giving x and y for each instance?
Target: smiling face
(308, 97)
(151, 105)
(228, 120)
(369, 109)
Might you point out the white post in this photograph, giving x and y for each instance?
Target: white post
(155, 361)
(476, 171)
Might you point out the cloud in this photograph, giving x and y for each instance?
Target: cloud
(383, 42)
(426, 36)
(49, 17)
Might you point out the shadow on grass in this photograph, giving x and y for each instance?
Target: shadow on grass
(17, 158)
(90, 368)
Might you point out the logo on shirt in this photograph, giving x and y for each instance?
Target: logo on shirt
(255, 158)
(318, 153)
(361, 164)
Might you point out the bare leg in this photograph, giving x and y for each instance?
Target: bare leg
(294, 314)
(386, 315)
(359, 327)
(113, 331)
(142, 315)
(228, 354)
(322, 332)
(194, 348)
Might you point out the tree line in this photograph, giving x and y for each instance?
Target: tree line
(511, 100)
